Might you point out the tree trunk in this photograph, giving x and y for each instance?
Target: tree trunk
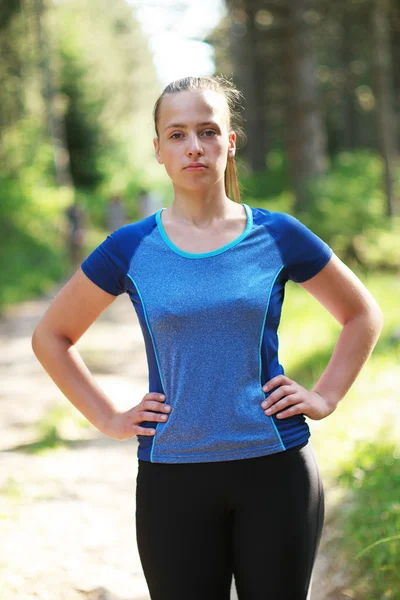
(387, 125)
(250, 75)
(306, 140)
(349, 132)
(54, 104)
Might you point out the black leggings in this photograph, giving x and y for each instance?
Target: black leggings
(259, 519)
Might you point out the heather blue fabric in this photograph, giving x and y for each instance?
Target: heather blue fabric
(209, 322)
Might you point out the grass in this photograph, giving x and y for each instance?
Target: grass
(58, 428)
(357, 447)
(372, 524)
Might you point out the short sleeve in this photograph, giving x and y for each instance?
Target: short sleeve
(106, 265)
(303, 253)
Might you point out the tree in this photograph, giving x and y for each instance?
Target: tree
(251, 74)
(54, 111)
(387, 124)
(11, 67)
(305, 132)
(105, 70)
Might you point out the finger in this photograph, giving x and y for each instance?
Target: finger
(281, 404)
(143, 431)
(144, 415)
(154, 396)
(281, 392)
(297, 409)
(157, 406)
(275, 382)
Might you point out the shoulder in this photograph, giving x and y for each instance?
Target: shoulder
(302, 252)
(108, 265)
(278, 223)
(128, 237)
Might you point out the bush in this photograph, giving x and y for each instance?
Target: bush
(371, 523)
(31, 248)
(346, 208)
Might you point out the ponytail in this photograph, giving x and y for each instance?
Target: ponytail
(231, 180)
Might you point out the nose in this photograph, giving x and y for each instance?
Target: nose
(193, 146)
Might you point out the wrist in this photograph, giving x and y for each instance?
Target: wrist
(107, 420)
(331, 400)
(100, 412)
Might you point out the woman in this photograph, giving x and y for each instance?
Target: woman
(227, 482)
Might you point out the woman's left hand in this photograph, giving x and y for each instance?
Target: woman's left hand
(290, 398)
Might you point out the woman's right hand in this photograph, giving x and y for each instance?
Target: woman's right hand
(127, 424)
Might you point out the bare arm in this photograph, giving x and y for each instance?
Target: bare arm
(350, 303)
(71, 313)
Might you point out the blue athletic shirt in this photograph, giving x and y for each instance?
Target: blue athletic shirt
(210, 323)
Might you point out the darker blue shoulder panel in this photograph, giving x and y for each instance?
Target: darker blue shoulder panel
(302, 252)
(107, 266)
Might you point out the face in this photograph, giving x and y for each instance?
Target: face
(193, 127)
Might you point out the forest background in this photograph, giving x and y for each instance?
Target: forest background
(321, 114)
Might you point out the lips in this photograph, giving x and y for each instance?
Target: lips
(195, 167)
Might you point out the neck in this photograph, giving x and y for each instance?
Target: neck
(200, 208)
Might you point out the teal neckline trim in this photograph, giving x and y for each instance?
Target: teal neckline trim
(205, 254)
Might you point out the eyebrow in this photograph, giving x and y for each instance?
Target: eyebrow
(183, 126)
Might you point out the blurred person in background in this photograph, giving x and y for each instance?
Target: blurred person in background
(115, 213)
(76, 233)
(148, 203)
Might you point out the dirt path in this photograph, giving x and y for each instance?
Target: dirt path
(67, 514)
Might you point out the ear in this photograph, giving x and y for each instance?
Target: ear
(232, 144)
(156, 145)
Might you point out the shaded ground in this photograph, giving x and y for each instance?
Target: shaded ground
(67, 514)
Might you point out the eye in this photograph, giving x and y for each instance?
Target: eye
(209, 131)
(173, 136)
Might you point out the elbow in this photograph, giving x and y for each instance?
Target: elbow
(44, 339)
(375, 316)
(369, 319)
(379, 320)
(37, 340)
(34, 340)
(374, 321)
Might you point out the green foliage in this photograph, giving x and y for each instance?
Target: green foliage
(31, 252)
(270, 186)
(103, 82)
(85, 135)
(346, 208)
(28, 267)
(14, 52)
(105, 72)
(96, 207)
(29, 155)
(371, 522)
(7, 9)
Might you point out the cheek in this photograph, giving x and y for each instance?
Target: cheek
(221, 155)
(169, 159)
(223, 147)
(172, 165)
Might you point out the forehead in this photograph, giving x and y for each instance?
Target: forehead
(190, 107)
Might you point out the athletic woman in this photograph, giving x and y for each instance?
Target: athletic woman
(227, 482)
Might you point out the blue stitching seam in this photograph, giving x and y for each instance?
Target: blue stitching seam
(155, 353)
(261, 338)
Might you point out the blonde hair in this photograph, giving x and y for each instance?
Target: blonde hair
(233, 97)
